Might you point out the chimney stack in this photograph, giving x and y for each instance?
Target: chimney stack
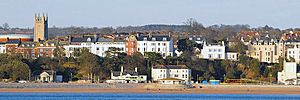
(135, 69)
(122, 69)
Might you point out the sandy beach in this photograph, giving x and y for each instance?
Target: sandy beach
(206, 89)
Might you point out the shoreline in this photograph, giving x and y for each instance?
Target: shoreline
(206, 89)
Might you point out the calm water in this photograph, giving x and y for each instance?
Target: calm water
(131, 96)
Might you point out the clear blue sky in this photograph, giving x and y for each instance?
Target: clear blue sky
(101, 13)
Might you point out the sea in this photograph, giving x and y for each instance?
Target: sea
(137, 96)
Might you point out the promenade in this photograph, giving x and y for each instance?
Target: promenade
(139, 88)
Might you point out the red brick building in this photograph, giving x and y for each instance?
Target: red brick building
(131, 45)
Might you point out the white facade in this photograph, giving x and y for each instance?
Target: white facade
(162, 45)
(231, 56)
(294, 53)
(99, 48)
(69, 49)
(127, 77)
(171, 71)
(289, 74)
(2, 48)
(213, 51)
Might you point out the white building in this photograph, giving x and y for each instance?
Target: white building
(127, 76)
(97, 46)
(217, 51)
(294, 52)
(213, 51)
(162, 44)
(78, 43)
(2, 48)
(47, 76)
(166, 72)
(102, 45)
(231, 56)
(290, 74)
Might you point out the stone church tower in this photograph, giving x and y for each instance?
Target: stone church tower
(40, 27)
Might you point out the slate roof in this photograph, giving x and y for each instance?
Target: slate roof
(170, 67)
(196, 38)
(125, 72)
(154, 38)
(27, 44)
(13, 41)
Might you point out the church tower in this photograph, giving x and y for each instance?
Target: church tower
(40, 27)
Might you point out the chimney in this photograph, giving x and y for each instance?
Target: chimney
(122, 69)
(135, 69)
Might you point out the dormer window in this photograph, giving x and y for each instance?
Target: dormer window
(153, 39)
(145, 39)
(164, 39)
(88, 39)
(190, 38)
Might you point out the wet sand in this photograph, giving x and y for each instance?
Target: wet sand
(206, 89)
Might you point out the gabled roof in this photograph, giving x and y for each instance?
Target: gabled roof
(130, 72)
(50, 72)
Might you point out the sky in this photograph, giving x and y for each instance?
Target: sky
(113, 13)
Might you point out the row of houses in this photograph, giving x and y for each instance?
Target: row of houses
(162, 44)
(29, 49)
(164, 74)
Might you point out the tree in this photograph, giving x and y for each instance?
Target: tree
(194, 26)
(88, 64)
(5, 26)
(16, 70)
(185, 45)
(59, 54)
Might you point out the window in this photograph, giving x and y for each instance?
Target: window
(153, 39)
(97, 48)
(158, 49)
(219, 55)
(153, 44)
(219, 50)
(145, 39)
(158, 44)
(176, 75)
(138, 49)
(164, 39)
(152, 49)
(164, 44)
(209, 50)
